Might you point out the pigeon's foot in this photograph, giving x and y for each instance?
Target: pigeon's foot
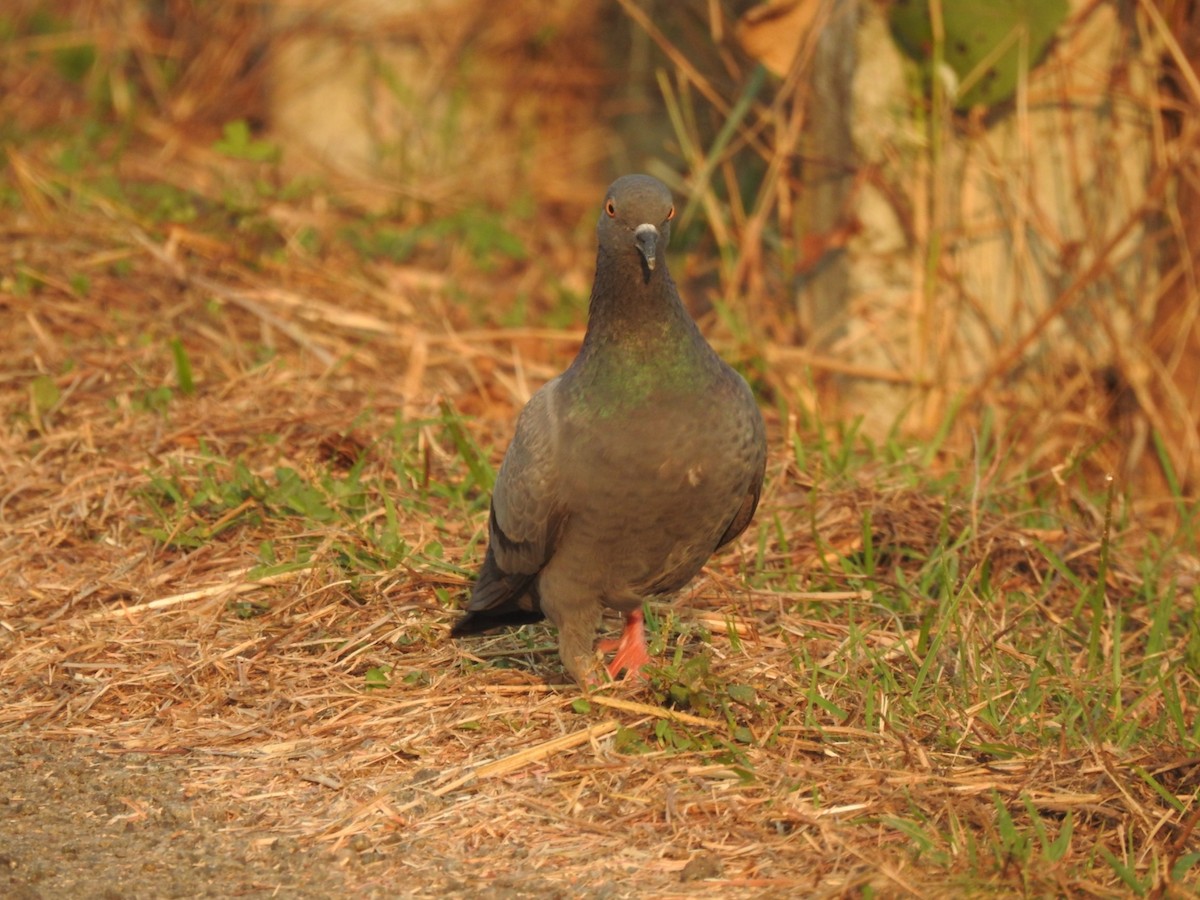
(630, 646)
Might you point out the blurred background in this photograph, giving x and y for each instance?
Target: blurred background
(942, 220)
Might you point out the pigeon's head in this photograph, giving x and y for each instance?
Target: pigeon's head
(636, 218)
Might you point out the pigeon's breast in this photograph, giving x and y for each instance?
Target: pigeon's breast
(650, 492)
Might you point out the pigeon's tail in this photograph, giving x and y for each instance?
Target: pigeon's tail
(487, 619)
(500, 599)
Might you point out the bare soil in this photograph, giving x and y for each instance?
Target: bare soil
(79, 822)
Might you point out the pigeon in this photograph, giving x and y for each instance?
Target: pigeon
(628, 470)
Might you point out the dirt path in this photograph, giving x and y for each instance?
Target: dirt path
(78, 823)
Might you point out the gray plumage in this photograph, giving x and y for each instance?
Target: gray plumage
(631, 468)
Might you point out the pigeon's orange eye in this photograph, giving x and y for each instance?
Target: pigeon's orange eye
(610, 208)
(671, 214)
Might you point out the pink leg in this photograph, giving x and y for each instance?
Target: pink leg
(630, 647)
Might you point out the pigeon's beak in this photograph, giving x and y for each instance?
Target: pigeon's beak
(647, 243)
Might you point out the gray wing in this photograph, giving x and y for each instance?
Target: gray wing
(525, 503)
(745, 513)
(526, 519)
(755, 453)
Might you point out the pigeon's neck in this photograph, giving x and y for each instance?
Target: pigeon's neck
(636, 315)
(641, 345)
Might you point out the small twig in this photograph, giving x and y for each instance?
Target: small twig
(213, 590)
(237, 297)
(815, 595)
(532, 754)
(659, 712)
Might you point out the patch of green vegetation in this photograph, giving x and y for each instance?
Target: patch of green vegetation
(238, 142)
(26, 282)
(153, 396)
(484, 235)
(377, 678)
(163, 202)
(298, 188)
(44, 394)
(155, 400)
(74, 63)
(687, 684)
(85, 171)
(183, 368)
(988, 44)
(196, 501)
(45, 399)
(308, 239)
(566, 310)
(72, 60)
(970, 621)
(249, 609)
(381, 241)
(354, 518)
(474, 457)
(10, 197)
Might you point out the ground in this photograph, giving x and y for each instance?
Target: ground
(84, 823)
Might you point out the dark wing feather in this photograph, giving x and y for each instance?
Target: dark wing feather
(745, 513)
(758, 447)
(526, 519)
(504, 599)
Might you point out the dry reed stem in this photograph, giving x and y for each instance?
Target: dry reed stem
(1124, 394)
(222, 591)
(536, 753)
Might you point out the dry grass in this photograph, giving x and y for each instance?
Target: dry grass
(1043, 261)
(902, 682)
